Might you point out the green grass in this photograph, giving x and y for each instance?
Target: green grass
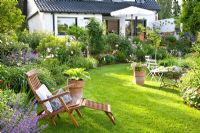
(136, 108)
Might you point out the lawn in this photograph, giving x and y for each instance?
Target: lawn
(136, 108)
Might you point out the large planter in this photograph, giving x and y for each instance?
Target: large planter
(76, 88)
(139, 77)
(141, 37)
(1, 81)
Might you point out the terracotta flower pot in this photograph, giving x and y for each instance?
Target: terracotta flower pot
(141, 36)
(76, 88)
(1, 81)
(139, 77)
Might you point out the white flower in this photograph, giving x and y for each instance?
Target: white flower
(72, 52)
(0, 41)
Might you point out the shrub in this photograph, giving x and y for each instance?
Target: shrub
(8, 99)
(12, 52)
(16, 118)
(50, 45)
(67, 53)
(55, 68)
(136, 40)
(32, 39)
(125, 46)
(171, 39)
(161, 53)
(112, 41)
(82, 62)
(141, 50)
(106, 59)
(190, 86)
(121, 57)
(95, 32)
(191, 96)
(14, 77)
(170, 61)
(78, 32)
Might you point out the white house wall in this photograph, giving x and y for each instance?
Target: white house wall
(35, 23)
(165, 25)
(42, 22)
(31, 8)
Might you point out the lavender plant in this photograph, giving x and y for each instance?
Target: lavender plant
(23, 120)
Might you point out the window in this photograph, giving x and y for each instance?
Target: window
(112, 26)
(63, 23)
(135, 30)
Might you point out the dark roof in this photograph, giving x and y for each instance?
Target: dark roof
(86, 6)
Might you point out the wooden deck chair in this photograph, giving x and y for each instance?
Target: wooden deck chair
(66, 108)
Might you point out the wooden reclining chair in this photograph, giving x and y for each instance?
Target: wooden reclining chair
(68, 108)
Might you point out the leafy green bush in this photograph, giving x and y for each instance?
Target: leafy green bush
(67, 53)
(141, 50)
(161, 53)
(112, 41)
(55, 68)
(170, 61)
(95, 32)
(106, 59)
(190, 86)
(121, 57)
(191, 97)
(171, 39)
(136, 40)
(82, 62)
(78, 32)
(32, 39)
(11, 51)
(8, 99)
(14, 77)
(187, 62)
(50, 45)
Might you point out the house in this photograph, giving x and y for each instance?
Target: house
(52, 15)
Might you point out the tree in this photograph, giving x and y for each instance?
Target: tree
(95, 32)
(175, 8)
(165, 9)
(11, 16)
(190, 16)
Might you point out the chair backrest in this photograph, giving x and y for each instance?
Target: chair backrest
(35, 84)
(33, 80)
(152, 64)
(147, 57)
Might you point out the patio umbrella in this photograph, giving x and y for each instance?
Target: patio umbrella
(132, 11)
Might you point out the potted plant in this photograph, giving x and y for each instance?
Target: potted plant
(76, 77)
(139, 74)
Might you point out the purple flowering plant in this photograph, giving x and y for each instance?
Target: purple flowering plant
(23, 120)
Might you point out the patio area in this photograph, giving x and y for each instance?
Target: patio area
(136, 108)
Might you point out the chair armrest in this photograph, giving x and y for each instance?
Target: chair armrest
(54, 97)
